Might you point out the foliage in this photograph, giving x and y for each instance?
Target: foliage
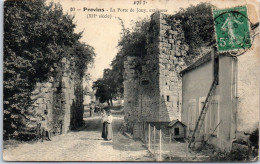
(218, 155)
(81, 55)
(117, 73)
(105, 87)
(36, 36)
(132, 43)
(198, 26)
(254, 138)
(101, 91)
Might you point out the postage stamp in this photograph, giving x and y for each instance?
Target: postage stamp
(132, 80)
(232, 29)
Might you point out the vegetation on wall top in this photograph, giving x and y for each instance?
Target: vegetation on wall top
(132, 43)
(36, 36)
(198, 26)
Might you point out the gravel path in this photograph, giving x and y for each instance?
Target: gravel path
(84, 144)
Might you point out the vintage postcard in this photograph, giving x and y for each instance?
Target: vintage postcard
(131, 80)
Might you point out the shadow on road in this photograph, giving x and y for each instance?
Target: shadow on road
(95, 139)
(107, 143)
(120, 142)
(90, 124)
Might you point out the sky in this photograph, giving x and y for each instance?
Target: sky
(104, 33)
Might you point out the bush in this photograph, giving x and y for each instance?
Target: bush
(198, 26)
(27, 136)
(36, 37)
(254, 138)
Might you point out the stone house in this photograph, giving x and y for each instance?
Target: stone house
(234, 109)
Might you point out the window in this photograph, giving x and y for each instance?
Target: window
(204, 123)
(145, 82)
(211, 120)
(214, 118)
(191, 114)
(176, 131)
(216, 67)
(168, 98)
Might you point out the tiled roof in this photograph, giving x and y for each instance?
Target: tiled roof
(173, 122)
(197, 63)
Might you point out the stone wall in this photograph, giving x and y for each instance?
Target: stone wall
(159, 97)
(172, 49)
(154, 93)
(131, 92)
(150, 74)
(164, 60)
(60, 99)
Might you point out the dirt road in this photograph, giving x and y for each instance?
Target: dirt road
(85, 144)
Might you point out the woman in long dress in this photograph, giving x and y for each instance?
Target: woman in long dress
(103, 121)
(109, 131)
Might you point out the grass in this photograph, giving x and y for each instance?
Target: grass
(217, 155)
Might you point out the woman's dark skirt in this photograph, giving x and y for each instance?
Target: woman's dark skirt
(104, 131)
(109, 131)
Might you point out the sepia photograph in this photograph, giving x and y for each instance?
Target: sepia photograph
(131, 80)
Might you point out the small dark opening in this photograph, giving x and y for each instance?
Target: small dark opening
(176, 131)
(168, 98)
(216, 68)
(145, 82)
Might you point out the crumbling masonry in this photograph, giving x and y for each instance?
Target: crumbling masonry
(154, 94)
(60, 99)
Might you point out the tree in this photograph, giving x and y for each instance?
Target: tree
(81, 55)
(110, 86)
(102, 91)
(105, 88)
(198, 26)
(117, 75)
(133, 43)
(36, 36)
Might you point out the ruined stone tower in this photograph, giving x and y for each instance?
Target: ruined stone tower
(154, 95)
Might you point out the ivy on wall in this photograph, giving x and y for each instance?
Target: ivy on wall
(198, 26)
(36, 35)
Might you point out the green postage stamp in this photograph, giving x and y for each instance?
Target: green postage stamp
(232, 29)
